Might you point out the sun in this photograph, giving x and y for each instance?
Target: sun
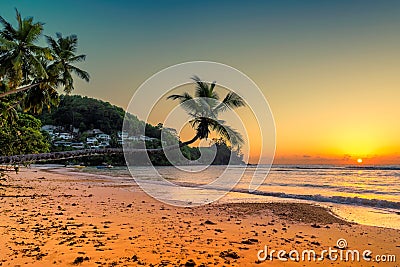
(359, 160)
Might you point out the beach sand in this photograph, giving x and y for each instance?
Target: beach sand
(49, 218)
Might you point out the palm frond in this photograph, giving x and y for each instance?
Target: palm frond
(78, 58)
(80, 73)
(228, 133)
(182, 98)
(203, 90)
(231, 100)
(204, 109)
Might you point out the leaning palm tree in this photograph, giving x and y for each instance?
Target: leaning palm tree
(205, 107)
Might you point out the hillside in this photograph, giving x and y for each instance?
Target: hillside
(82, 122)
(84, 113)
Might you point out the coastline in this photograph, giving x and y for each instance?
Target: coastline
(60, 219)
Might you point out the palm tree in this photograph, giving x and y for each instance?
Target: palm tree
(205, 107)
(19, 55)
(44, 92)
(24, 64)
(64, 56)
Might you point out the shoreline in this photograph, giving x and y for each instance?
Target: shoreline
(375, 215)
(92, 221)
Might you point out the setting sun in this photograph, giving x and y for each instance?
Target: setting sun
(359, 160)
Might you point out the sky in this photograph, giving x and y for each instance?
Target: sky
(329, 69)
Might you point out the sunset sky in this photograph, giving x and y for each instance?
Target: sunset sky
(330, 70)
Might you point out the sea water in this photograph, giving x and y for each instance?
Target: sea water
(364, 194)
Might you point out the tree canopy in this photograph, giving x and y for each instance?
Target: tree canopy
(85, 113)
(31, 74)
(23, 137)
(205, 107)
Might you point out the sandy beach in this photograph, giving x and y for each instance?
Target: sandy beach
(59, 218)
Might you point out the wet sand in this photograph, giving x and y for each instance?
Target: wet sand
(49, 218)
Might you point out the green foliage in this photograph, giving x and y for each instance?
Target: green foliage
(225, 153)
(87, 113)
(22, 137)
(64, 56)
(205, 107)
(19, 51)
(29, 73)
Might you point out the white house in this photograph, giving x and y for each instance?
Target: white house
(65, 136)
(103, 137)
(91, 140)
(52, 128)
(141, 138)
(94, 131)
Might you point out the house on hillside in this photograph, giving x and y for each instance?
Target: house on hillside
(52, 130)
(141, 138)
(94, 131)
(91, 140)
(65, 136)
(103, 137)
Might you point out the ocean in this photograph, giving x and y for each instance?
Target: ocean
(368, 195)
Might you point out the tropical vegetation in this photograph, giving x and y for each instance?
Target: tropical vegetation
(30, 74)
(205, 107)
(24, 136)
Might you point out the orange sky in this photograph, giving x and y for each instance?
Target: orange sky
(320, 130)
(329, 69)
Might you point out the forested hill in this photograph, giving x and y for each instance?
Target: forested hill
(79, 114)
(86, 113)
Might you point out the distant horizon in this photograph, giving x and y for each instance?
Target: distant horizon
(318, 159)
(329, 70)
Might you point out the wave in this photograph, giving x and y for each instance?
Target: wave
(334, 167)
(375, 203)
(358, 201)
(340, 188)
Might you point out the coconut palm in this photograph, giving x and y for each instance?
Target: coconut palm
(64, 56)
(21, 61)
(205, 108)
(43, 94)
(19, 55)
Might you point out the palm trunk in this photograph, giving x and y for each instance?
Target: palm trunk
(194, 139)
(21, 89)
